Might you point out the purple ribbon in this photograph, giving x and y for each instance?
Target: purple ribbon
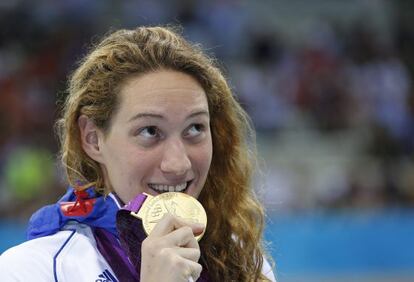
(115, 255)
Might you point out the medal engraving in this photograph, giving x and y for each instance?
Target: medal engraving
(178, 204)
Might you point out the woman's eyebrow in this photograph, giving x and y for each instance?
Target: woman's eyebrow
(159, 116)
(199, 112)
(146, 115)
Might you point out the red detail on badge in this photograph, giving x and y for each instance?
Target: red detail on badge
(81, 207)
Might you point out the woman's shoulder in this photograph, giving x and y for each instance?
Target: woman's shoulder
(267, 270)
(33, 258)
(46, 258)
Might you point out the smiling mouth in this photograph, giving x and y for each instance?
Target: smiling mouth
(162, 188)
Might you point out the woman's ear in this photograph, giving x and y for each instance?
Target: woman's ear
(90, 135)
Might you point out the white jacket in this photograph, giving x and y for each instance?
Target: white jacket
(66, 256)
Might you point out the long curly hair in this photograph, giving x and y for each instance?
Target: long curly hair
(232, 245)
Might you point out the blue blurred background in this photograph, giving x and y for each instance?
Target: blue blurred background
(328, 84)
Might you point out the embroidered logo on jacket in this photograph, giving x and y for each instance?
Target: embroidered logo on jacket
(106, 276)
(81, 207)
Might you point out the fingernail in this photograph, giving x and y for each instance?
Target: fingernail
(199, 225)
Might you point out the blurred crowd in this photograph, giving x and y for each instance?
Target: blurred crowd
(333, 111)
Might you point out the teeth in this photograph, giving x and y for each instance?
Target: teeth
(169, 188)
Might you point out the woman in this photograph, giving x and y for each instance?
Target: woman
(147, 112)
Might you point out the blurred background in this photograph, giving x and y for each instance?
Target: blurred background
(329, 87)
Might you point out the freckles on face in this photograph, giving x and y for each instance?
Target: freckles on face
(159, 139)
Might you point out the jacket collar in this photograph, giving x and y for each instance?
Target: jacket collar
(87, 206)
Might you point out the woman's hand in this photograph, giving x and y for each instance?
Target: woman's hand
(171, 252)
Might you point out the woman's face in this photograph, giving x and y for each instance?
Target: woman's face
(159, 138)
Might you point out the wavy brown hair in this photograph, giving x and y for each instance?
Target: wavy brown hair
(232, 245)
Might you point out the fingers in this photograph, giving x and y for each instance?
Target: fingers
(171, 252)
(170, 264)
(187, 253)
(187, 268)
(182, 237)
(169, 223)
(195, 270)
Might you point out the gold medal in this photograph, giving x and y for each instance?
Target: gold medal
(176, 203)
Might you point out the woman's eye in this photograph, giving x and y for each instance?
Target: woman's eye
(149, 132)
(195, 130)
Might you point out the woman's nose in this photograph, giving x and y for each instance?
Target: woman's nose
(175, 159)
